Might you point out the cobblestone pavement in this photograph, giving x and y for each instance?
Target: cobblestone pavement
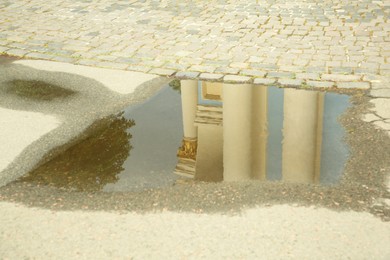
(310, 43)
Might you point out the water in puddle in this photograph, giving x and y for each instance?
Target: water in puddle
(254, 133)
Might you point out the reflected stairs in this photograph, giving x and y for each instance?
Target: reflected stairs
(185, 167)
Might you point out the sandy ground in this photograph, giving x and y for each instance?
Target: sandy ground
(276, 232)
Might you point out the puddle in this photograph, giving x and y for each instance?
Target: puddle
(132, 151)
(92, 163)
(37, 90)
(254, 133)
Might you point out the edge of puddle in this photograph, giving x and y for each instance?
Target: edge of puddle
(362, 184)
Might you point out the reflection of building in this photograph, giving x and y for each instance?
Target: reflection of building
(226, 132)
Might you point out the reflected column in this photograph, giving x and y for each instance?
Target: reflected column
(302, 135)
(259, 132)
(187, 152)
(237, 106)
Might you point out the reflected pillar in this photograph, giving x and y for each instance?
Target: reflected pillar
(259, 132)
(237, 106)
(189, 101)
(302, 131)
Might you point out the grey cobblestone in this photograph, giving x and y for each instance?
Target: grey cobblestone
(236, 79)
(17, 52)
(37, 55)
(262, 81)
(112, 65)
(3, 49)
(339, 77)
(284, 75)
(320, 84)
(138, 68)
(283, 39)
(86, 62)
(290, 82)
(370, 118)
(314, 76)
(227, 70)
(201, 68)
(254, 73)
(382, 125)
(380, 93)
(355, 85)
(162, 72)
(187, 74)
(210, 76)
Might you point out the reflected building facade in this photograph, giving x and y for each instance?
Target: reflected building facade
(226, 132)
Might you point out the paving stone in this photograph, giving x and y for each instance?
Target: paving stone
(162, 72)
(381, 107)
(314, 76)
(311, 69)
(264, 66)
(227, 70)
(320, 84)
(290, 82)
(364, 71)
(153, 63)
(17, 52)
(210, 76)
(382, 125)
(289, 75)
(63, 59)
(254, 73)
(380, 92)
(264, 81)
(341, 70)
(201, 68)
(138, 68)
(37, 55)
(255, 59)
(354, 85)
(339, 77)
(175, 66)
(236, 79)
(187, 74)
(86, 62)
(370, 117)
(112, 65)
(3, 49)
(240, 65)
